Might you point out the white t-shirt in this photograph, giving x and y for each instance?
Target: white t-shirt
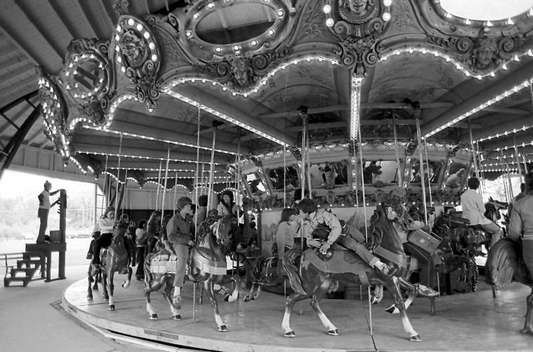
(473, 208)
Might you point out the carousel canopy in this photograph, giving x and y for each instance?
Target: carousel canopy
(95, 80)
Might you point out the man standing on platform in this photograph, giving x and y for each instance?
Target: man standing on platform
(180, 233)
(44, 209)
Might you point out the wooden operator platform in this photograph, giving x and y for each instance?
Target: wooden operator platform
(46, 250)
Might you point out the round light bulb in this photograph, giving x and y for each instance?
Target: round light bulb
(326, 9)
(387, 3)
(386, 16)
(330, 22)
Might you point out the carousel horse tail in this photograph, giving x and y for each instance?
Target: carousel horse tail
(290, 267)
(502, 263)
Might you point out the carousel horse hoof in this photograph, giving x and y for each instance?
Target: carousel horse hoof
(154, 316)
(289, 334)
(526, 331)
(176, 317)
(392, 309)
(415, 338)
(374, 300)
(223, 328)
(112, 307)
(333, 332)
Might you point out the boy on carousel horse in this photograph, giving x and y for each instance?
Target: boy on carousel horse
(322, 229)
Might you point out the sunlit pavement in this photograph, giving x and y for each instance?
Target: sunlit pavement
(31, 319)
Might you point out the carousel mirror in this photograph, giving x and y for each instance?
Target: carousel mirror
(255, 183)
(329, 174)
(455, 177)
(214, 29)
(276, 178)
(432, 171)
(380, 172)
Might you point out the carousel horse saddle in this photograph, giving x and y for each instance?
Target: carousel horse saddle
(121, 262)
(163, 263)
(341, 261)
(206, 260)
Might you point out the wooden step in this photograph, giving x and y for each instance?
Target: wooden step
(23, 280)
(28, 262)
(28, 272)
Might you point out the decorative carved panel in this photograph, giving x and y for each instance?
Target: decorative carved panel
(136, 52)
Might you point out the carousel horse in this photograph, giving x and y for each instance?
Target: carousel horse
(505, 264)
(207, 264)
(492, 209)
(315, 275)
(115, 258)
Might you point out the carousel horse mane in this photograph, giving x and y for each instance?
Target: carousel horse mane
(492, 209)
(383, 232)
(505, 264)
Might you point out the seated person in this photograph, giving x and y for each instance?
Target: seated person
(315, 217)
(104, 226)
(226, 205)
(474, 209)
(521, 223)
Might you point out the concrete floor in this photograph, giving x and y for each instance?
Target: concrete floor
(31, 319)
(473, 322)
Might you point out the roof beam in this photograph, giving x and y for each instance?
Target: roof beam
(130, 163)
(509, 111)
(508, 142)
(501, 129)
(506, 83)
(221, 105)
(161, 154)
(28, 38)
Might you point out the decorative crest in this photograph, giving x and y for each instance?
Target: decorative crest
(137, 54)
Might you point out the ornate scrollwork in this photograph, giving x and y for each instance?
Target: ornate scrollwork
(358, 25)
(483, 53)
(241, 71)
(89, 78)
(55, 113)
(137, 54)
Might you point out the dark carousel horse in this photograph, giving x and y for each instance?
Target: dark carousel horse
(505, 264)
(492, 209)
(114, 259)
(207, 265)
(314, 276)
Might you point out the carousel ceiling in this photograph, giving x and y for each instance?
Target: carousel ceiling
(140, 78)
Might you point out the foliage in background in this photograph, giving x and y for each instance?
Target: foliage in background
(19, 203)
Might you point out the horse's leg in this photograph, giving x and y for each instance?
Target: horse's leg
(167, 294)
(234, 296)
(111, 289)
(528, 323)
(289, 305)
(148, 279)
(394, 287)
(332, 329)
(104, 284)
(90, 280)
(221, 326)
(97, 277)
(126, 283)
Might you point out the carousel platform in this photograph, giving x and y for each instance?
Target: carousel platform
(473, 322)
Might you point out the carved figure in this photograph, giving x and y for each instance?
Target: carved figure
(484, 53)
(358, 7)
(241, 70)
(131, 45)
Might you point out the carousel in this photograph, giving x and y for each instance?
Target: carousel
(363, 106)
